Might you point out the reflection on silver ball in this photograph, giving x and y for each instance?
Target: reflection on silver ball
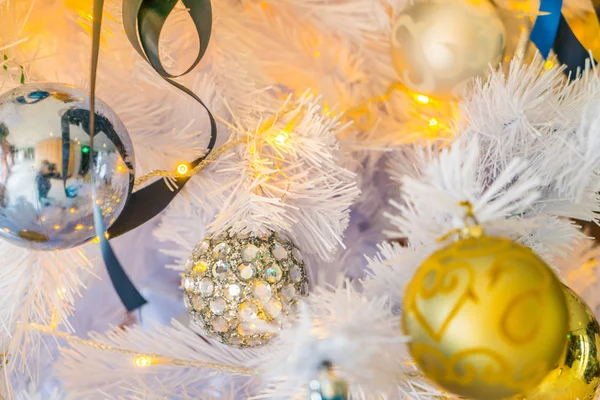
(438, 46)
(45, 178)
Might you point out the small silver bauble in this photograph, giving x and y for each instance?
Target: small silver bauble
(42, 206)
(240, 288)
(438, 46)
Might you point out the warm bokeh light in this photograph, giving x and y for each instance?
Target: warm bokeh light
(143, 361)
(281, 137)
(182, 168)
(433, 122)
(421, 98)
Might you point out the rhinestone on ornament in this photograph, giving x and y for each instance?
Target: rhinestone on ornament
(221, 251)
(241, 288)
(206, 287)
(274, 273)
(249, 252)
(220, 269)
(245, 271)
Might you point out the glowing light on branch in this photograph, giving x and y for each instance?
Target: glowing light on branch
(421, 98)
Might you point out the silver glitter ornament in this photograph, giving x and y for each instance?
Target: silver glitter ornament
(240, 288)
(45, 178)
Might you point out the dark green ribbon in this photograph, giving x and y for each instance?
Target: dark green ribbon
(128, 293)
(143, 21)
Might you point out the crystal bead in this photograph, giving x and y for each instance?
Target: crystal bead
(274, 273)
(221, 251)
(262, 290)
(219, 324)
(248, 311)
(236, 340)
(247, 328)
(297, 255)
(245, 271)
(232, 291)
(189, 264)
(198, 303)
(304, 289)
(220, 269)
(200, 267)
(254, 341)
(288, 292)
(296, 273)
(218, 305)
(186, 301)
(273, 308)
(187, 282)
(249, 252)
(206, 287)
(201, 247)
(279, 252)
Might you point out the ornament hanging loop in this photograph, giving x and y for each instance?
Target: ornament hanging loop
(471, 229)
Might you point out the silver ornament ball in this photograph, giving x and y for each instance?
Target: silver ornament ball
(439, 46)
(43, 205)
(241, 288)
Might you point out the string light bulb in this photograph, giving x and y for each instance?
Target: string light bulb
(281, 137)
(421, 98)
(143, 361)
(182, 169)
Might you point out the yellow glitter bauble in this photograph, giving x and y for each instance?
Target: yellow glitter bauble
(486, 317)
(438, 46)
(578, 374)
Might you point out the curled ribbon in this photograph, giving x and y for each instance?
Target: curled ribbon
(145, 18)
(143, 21)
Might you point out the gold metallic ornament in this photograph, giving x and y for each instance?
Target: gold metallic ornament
(487, 318)
(578, 373)
(438, 46)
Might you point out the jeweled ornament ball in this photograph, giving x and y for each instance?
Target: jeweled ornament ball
(241, 288)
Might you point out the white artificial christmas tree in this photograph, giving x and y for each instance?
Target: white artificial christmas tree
(319, 144)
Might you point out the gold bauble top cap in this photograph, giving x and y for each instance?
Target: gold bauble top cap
(471, 230)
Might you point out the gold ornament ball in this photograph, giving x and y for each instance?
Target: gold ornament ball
(486, 317)
(578, 374)
(438, 46)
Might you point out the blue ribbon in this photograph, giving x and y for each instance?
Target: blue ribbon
(552, 32)
(544, 32)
